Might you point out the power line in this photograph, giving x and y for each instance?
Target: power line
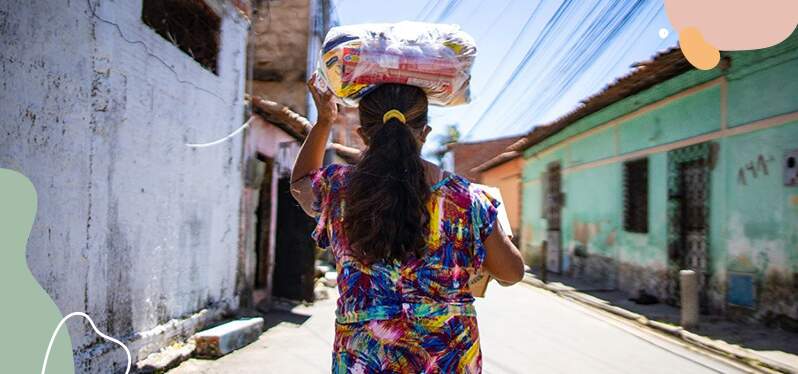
(450, 7)
(609, 26)
(547, 29)
(579, 56)
(515, 42)
(602, 27)
(425, 11)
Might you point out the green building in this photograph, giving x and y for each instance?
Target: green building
(675, 168)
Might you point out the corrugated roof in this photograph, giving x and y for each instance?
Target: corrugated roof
(663, 66)
(496, 161)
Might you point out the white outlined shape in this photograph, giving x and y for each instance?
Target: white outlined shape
(86, 316)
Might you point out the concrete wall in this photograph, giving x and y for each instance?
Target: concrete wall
(750, 113)
(279, 35)
(133, 227)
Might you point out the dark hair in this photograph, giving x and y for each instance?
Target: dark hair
(385, 215)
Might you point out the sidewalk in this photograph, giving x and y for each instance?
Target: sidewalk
(757, 344)
(522, 329)
(297, 339)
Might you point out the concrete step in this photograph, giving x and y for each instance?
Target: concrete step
(225, 338)
(167, 358)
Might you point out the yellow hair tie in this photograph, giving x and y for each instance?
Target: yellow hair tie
(393, 113)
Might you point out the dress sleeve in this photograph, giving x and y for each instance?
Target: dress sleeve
(483, 214)
(324, 184)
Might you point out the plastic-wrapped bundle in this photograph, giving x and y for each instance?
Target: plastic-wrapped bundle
(437, 58)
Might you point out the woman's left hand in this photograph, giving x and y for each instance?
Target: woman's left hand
(325, 106)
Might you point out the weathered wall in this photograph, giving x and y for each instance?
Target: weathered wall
(279, 35)
(133, 227)
(750, 112)
(507, 178)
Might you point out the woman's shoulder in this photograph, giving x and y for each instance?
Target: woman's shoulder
(459, 187)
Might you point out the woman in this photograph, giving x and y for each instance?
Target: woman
(405, 236)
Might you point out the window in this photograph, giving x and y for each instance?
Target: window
(635, 196)
(190, 25)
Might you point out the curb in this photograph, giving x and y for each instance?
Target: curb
(736, 352)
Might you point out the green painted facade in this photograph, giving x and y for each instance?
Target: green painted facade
(752, 220)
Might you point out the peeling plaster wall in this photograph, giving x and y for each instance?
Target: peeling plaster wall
(280, 35)
(753, 223)
(133, 227)
(762, 221)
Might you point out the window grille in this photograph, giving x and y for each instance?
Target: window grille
(191, 25)
(635, 196)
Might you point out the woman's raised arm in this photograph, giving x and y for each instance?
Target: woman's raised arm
(311, 155)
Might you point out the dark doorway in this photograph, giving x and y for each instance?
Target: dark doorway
(688, 218)
(263, 238)
(554, 199)
(295, 249)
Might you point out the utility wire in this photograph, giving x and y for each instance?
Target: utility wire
(425, 12)
(450, 7)
(577, 58)
(603, 31)
(516, 40)
(598, 29)
(546, 32)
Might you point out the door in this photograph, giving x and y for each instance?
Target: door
(263, 234)
(294, 268)
(688, 224)
(693, 220)
(553, 208)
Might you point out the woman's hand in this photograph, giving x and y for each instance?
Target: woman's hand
(325, 106)
(311, 155)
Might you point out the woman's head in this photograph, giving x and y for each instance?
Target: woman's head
(409, 100)
(385, 214)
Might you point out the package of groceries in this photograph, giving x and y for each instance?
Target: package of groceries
(437, 58)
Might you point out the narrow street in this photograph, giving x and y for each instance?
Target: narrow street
(523, 330)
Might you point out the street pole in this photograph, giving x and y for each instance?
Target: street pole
(543, 252)
(689, 295)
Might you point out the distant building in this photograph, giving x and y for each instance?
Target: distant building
(505, 173)
(674, 168)
(465, 156)
(283, 33)
(276, 249)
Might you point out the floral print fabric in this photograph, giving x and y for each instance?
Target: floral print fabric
(415, 316)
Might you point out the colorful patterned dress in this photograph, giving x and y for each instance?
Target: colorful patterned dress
(415, 316)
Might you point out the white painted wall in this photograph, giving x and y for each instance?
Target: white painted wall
(133, 227)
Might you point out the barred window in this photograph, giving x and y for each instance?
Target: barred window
(635, 196)
(190, 25)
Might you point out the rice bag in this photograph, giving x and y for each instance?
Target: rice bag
(435, 57)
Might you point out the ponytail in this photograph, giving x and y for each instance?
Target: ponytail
(385, 215)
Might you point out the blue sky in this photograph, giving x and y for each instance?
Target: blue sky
(572, 49)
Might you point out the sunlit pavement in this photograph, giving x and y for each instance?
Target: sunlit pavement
(523, 330)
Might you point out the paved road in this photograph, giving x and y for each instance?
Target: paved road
(523, 330)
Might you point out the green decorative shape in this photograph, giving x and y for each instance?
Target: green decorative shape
(29, 315)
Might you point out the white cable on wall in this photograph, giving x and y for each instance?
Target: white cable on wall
(86, 316)
(215, 142)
